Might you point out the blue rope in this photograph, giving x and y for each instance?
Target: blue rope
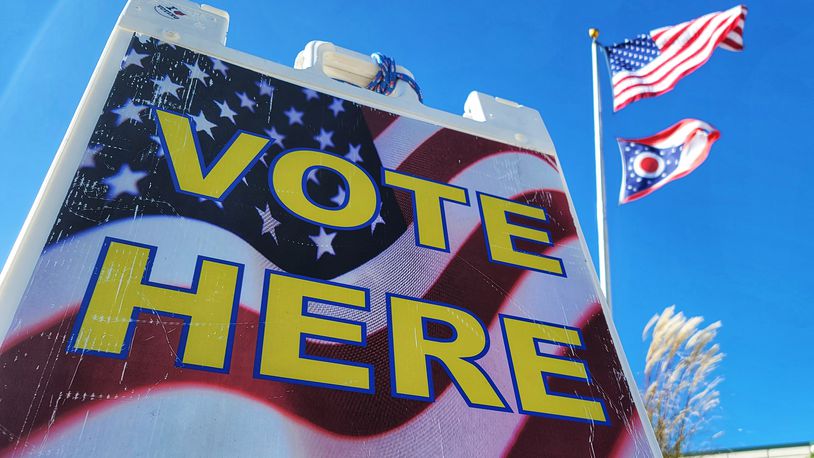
(387, 77)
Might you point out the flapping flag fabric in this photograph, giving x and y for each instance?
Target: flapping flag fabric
(651, 64)
(652, 162)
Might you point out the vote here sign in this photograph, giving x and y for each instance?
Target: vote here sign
(244, 265)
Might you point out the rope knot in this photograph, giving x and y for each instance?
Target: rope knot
(387, 77)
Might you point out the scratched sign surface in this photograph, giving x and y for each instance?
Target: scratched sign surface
(244, 266)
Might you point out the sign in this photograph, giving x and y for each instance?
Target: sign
(242, 265)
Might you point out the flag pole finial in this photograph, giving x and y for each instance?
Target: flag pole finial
(593, 33)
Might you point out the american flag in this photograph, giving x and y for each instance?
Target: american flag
(57, 402)
(652, 162)
(651, 64)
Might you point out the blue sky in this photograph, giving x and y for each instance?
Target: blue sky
(730, 242)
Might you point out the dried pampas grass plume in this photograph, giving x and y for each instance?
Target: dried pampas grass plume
(680, 389)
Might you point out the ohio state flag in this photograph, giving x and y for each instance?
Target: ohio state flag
(652, 162)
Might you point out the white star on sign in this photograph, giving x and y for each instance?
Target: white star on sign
(203, 124)
(226, 111)
(312, 176)
(218, 66)
(339, 198)
(377, 221)
(294, 116)
(143, 39)
(125, 181)
(353, 153)
(196, 73)
(216, 202)
(276, 136)
(269, 223)
(89, 159)
(324, 138)
(324, 242)
(245, 101)
(310, 94)
(265, 87)
(166, 86)
(159, 151)
(129, 112)
(337, 107)
(133, 58)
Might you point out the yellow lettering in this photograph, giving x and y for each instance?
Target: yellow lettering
(285, 324)
(500, 235)
(288, 176)
(530, 368)
(120, 289)
(188, 170)
(428, 206)
(412, 350)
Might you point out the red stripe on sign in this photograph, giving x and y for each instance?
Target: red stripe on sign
(377, 121)
(449, 152)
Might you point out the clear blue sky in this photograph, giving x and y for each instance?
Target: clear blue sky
(731, 242)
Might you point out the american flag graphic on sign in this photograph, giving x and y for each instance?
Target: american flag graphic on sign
(652, 64)
(60, 401)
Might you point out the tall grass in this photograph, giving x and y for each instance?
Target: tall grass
(681, 389)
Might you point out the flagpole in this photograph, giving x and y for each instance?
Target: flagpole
(601, 219)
